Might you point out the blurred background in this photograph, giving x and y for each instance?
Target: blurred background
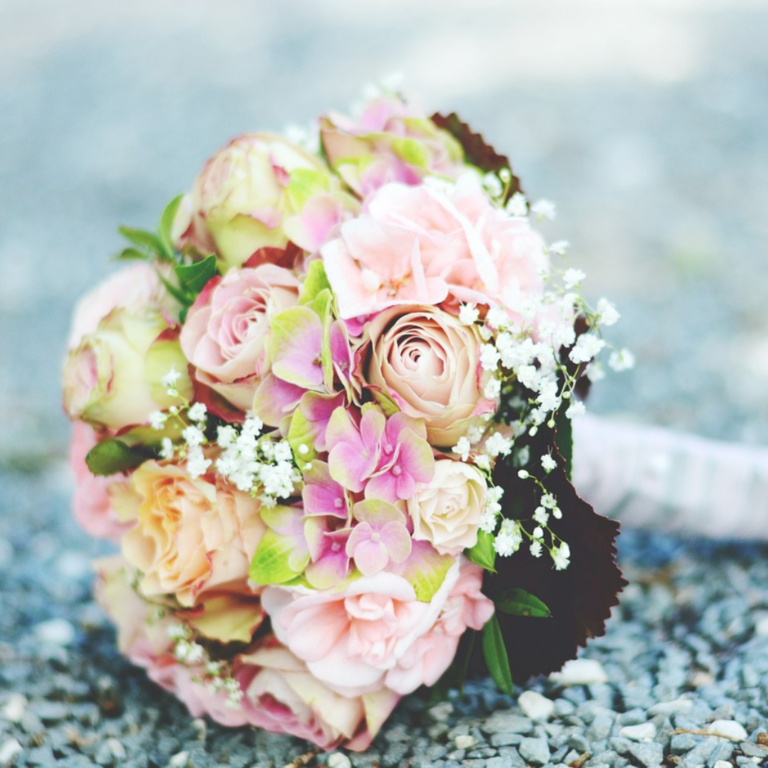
(645, 121)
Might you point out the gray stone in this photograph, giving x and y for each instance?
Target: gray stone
(506, 739)
(647, 753)
(506, 722)
(683, 742)
(601, 727)
(753, 750)
(534, 751)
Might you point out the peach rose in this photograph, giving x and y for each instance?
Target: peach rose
(92, 503)
(352, 639)
(447, 511)
(244, 194)
(227, 328)
(113, 378)
(189, 535)
(428, 361)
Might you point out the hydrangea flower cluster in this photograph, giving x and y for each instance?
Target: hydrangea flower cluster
(291, 413)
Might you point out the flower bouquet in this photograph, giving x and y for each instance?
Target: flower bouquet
(326, 417)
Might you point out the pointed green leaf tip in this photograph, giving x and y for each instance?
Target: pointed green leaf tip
(483, 553)
(495, 654)
(166, 224)
(143, 239)
(272, 562)
(113, 456)
(518, 602)
(194, 277)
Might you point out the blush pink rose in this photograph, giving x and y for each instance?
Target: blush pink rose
(227, 329)
(428, 362)
(189, 535)
(92, 503)
(351, 640)
(136, 288)
(431, 654)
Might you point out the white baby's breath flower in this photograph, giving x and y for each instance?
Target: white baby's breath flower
(608, 314)
(541, 516)
(508, 539)
(536, 548)
(193, 436)
(492, 185)
(462, 448)
(226, 435)
(587, 347)
(492, 389)
(489, 357)
(468, 314)
(576, 409)
(543, 209)
(548, 462)
(197, 464)
(548, 501)
(497, 445)
(497, 317)
(197, 412)
(561, 557)
(517, 205)
(572, 277)
(482, 461)
(166, 449)
(621, 360)
(157, 419)
(171, 377)
(559, 248)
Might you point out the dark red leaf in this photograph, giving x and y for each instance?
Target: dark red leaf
(287, 257)
(476, 150)
(214, 402)
(579, 597)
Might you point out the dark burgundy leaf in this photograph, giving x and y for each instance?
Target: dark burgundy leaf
(579, 597)
(476, 150)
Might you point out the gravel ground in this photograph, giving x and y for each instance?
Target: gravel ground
(686, 653)
(644, 121)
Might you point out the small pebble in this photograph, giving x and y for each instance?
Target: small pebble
(534, 751)
(730, 729)
(640, 732)
(179, 760)
(465, 741)
(14, 708)
(535, 706)
(441, 712)
(55, 632)
(580, 672)
(338, 760)
(761, 625)
(648, 753)
(670, 707)
(722, 764)
(9, 752)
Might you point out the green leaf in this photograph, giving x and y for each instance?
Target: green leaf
(495, 654)
(301, 433)
(425, 570)
(166, 223)
(483, 553)
(180, 295)
(518, 602)
(113, 456)
(147, 240)
(315, 282)
(564, 440)
(271, 561)
(132, 254)
(194, 277)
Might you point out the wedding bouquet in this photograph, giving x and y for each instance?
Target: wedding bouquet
(326, 418)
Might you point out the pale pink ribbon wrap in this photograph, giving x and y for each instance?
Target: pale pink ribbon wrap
(654, 478)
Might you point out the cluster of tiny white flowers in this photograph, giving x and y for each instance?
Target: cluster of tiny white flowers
(253, 462)
(193, 434)
(492, 509)
(214, 675)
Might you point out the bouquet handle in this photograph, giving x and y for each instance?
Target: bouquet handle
(650, 477)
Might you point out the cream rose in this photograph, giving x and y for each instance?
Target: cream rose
(428, 361)
(227, 328)
(189, 535)
(244, 195)
(113, 377)
(447, 511)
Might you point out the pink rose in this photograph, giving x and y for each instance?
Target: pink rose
(428, 361)
(431, 654)
(136, 288)
(92, 503)
(351, 640)
(390, 141)
(113, 378)
(189, 536)
(245, 194)
(227, 329)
